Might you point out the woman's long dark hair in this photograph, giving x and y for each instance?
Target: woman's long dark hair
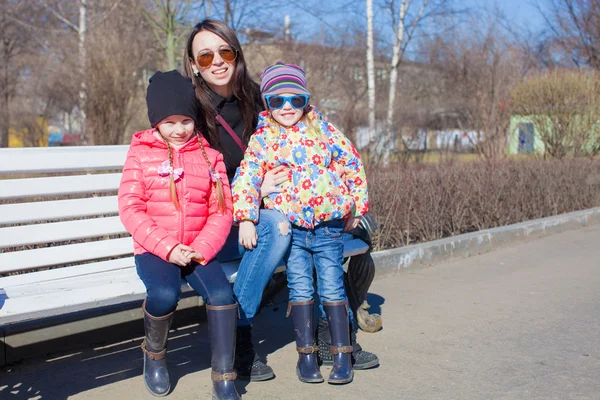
(244, 88)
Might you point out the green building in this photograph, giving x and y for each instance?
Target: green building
(522, 137)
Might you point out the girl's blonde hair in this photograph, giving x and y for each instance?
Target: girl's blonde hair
(213, 173)
(312, 124)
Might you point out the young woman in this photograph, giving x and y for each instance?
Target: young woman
(230, 102)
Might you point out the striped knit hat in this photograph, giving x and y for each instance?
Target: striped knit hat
(283, 78)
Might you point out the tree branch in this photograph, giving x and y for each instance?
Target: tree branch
(60, 17)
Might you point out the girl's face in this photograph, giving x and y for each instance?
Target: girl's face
(177, 129)
(219, 72)
(287, 115)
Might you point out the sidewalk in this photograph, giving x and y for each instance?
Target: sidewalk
(518, 323)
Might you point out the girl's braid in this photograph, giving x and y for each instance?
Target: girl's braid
(214, 175)
(172, 188)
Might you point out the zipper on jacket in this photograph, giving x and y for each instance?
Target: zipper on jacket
(181, 191)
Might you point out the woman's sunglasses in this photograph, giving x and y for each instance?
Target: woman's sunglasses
(298, 101)
(228, 54)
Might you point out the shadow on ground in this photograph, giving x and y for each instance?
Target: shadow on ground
(68, 374)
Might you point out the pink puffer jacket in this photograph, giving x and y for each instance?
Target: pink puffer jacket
(145, 205)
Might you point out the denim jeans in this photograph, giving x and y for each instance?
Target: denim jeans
(347, 237)
(258, 264)
(163, 283)
(321, 248)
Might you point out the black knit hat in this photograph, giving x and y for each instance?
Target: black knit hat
(170, 93)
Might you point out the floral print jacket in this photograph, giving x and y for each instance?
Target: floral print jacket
(327, 179)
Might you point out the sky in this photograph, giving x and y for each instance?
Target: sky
(310, 18)
(522, 11)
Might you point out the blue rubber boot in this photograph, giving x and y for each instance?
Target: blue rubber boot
(222, 326)
(341, 350)
(154, 346)
(307, 367)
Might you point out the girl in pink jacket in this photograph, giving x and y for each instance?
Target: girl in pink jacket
(175, 200)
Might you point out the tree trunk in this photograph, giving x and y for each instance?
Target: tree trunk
(4, 116)
(89, 136)
(390, 135)
(370, 72)
(171, 50)
(228, 17)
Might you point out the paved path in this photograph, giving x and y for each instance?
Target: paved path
(518, 323)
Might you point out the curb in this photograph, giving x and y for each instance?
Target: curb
(393, 261)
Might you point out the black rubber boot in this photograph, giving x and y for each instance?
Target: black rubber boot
(154, 346)
(307, 368)
(221, 327)
(337, 317)
(247, 364)
(361, 359)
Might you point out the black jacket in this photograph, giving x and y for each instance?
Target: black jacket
(231, 113)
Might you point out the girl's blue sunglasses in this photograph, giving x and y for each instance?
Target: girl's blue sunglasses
(298, 101)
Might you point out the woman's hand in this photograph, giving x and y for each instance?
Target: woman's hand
(179, 255)
(351, 223)
(248, 236)
(273, 179)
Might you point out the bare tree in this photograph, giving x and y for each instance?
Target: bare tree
(120, 49)
(169, 20)
(479, 65)
(371, 70)
(80, 28)
(575, 25)
(241, 14)
(13, 42)
(406, 18)
(63, 11)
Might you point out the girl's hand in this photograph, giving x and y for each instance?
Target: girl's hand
(179, 255)
(273, 179)
(248, 236)
(351, 223)
(195, 256)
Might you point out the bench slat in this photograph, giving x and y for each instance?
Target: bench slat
(59, 255)
(354, 247)
(53, 275)
(63, 185)
(74, 294)
(62, 159)
(107, 289)
(59, 209)
(60, 231)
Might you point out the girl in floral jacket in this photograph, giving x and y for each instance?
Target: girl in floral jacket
(175, 200)
(326, 194)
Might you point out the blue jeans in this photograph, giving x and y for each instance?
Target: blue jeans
(347, 237)
(163, 283)
(258, 264)
(321, 248)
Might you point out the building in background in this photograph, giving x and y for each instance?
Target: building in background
(32, 133)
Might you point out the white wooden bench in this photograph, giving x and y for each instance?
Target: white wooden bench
(63, 248)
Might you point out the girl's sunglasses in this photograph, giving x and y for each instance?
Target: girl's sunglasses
(228, 54)
(298, 101)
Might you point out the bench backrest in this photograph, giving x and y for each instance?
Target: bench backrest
(58, 206)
